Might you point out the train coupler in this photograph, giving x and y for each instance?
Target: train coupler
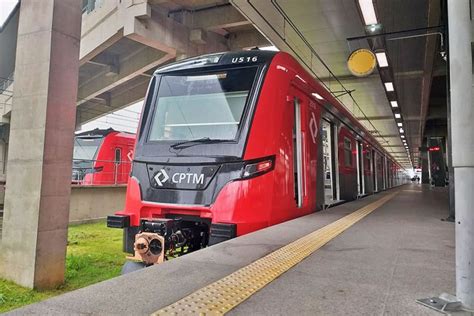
(161, 238)
(149, 248)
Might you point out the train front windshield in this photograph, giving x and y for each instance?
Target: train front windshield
(205, 105)
(86, 148)
(85, 151)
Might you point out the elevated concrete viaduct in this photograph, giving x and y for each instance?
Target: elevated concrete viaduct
(122, 43)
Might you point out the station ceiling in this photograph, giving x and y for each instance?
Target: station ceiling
(323, 33)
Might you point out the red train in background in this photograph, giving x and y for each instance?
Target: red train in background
(102, 157)
(234, 142)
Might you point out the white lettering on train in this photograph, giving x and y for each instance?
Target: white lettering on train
(189, 178)
(238, 60)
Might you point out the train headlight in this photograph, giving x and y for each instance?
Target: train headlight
(256, 168)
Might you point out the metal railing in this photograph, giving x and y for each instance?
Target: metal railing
(100, 172)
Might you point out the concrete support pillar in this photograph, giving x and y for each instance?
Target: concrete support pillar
(462, 127)
(35, 224)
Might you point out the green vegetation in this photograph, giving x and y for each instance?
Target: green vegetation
(94, 254)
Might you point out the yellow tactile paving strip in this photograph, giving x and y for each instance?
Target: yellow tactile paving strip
(221, 296)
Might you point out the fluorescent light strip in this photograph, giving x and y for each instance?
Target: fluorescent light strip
(317, 96)
(368, 12)
(382, 59)
(399, 124)
(389, 86)
(397, 115)
(270, 48)
(394, 104)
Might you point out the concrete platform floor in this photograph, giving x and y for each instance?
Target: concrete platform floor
(400, 252)
(379, 266)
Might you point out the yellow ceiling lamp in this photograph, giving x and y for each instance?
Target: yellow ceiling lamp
(362, 62)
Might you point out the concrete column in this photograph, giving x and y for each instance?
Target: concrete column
(34, 237)
(462, 127)
(449, 142)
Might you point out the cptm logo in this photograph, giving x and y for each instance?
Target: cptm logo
(313, 128)
(161, 177)
(179, 177)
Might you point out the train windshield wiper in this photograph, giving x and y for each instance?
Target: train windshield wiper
(193, 142)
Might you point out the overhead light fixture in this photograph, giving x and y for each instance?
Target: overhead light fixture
(317, 96)
(373, 28)
(389, 86)
(399, 124)
(270, 48)
(382, 59)
(402, 131)
(397, 115)
(368, 11)
(394, 104)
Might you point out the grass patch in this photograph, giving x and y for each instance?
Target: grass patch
(94, 254)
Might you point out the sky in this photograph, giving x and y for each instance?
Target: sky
(6, 6)
(125, 120)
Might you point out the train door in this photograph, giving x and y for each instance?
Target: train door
(337, 178)
(347, 165)
(305, 151)
(374, 171)
(360, 168)
(330, 188)
(382, 169)
(367, 158)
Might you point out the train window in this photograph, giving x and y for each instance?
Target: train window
(118, 156)
(347, 152)
(86, 148)
(194, 106)
(85, 152)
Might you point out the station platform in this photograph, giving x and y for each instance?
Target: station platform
(376, 255)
